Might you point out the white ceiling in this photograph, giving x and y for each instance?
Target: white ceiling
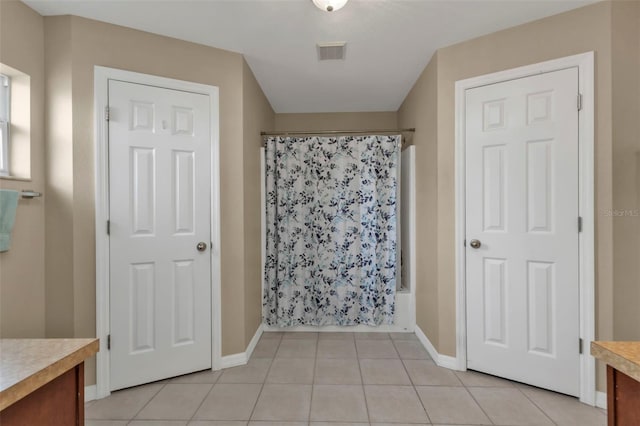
(389, 42)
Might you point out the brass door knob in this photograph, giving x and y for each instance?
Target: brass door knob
(475, 244)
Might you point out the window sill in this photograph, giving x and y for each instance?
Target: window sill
(15, 178)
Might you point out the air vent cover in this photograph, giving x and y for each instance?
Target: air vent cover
(332, 51)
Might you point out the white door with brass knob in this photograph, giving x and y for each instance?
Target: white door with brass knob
(522, 256)
(160, 224)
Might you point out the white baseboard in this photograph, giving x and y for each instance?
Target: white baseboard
(445, 361)
(449, 362)
(601, 400)
(234, 360)
(242, 358)
(341, 328)
(427, 343)
(90, 393)
(254, 341)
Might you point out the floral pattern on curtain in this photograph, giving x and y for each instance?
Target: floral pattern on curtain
(331, 230)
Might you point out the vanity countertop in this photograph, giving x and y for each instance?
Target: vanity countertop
(623, 356)
(29, 364)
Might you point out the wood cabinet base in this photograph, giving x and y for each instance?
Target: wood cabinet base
(623, 399)
(58, 403)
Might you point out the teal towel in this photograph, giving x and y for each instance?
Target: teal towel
(8, 206)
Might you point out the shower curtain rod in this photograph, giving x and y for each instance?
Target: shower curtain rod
(334, 132)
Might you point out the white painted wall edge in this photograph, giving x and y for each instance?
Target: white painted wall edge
(601, 400)
(446, 361)
(90, 393)
(243, 357)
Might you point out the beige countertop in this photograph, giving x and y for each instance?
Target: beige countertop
(28, 364)
(623, 356)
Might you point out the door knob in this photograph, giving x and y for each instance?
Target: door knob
(475, 244)
(202, 246)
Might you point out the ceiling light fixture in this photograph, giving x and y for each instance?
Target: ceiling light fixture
(330, 5)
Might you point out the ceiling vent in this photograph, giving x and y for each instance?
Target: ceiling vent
(332, 51)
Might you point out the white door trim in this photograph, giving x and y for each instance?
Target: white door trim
(585, 64)
(102, 75)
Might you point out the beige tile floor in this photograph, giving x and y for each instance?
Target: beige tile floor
(339, 379)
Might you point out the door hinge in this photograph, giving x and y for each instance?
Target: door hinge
(108, 227)
(580, 345)
(579, 101)
(106, 113)
(579, 223)
(108, 341)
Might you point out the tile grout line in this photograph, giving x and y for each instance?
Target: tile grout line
(313, 379)
(205, 397)
(255, 404)
(147, 403)
(536, 405)
(477, 403)
(364, 392)
(412, 383)
(218, 379)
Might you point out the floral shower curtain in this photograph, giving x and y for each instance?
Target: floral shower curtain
(331, 230)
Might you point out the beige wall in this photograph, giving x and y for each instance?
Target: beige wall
(22, 288)
(59, 179)
(82, 44)
(258, 115)
(626, 168)
(578, 31)
(337, 121)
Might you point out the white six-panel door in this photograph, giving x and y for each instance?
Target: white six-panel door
(522, 209)
(160, 283)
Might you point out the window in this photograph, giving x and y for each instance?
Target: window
(5, 107)
(15, 124)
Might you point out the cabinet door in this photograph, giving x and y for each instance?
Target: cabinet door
(623, 399)
(60, 402)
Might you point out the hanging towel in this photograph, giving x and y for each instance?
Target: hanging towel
(8, 206)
